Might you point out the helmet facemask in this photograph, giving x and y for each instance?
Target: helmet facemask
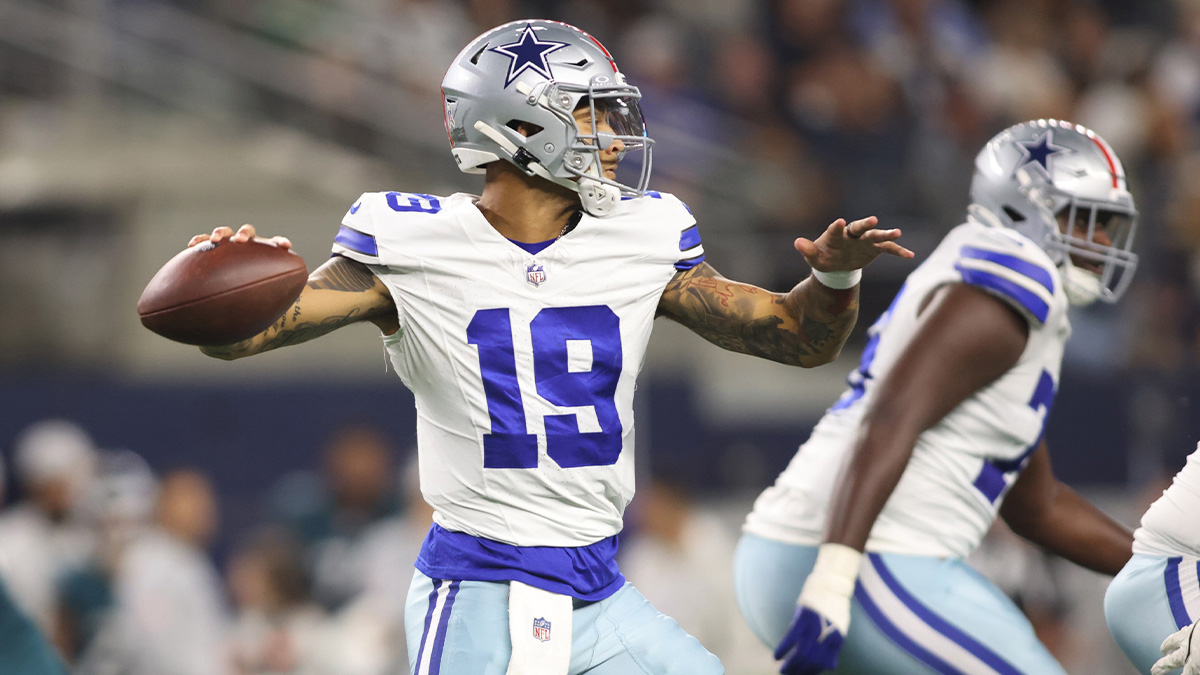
(613, 115)
(1091, 242)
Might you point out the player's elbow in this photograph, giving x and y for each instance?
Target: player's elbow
(818, 359)
(223, 353)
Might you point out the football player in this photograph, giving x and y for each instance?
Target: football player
(519, 319)
(853, 560)
(1153, 605)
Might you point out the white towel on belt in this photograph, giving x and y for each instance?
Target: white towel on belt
(539, 623)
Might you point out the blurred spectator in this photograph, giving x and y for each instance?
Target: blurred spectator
(121, 505)
(390, 550)
(279, 629)
(1020, 77)
(680, 557)
(41, 536)
(330, 514)
(167, 589)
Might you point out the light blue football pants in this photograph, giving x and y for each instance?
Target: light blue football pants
(1152, 597)
(910, 614)
(23, 650)
(457, 627)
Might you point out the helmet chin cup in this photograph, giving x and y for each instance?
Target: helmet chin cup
(1081, 286)
(597, 199)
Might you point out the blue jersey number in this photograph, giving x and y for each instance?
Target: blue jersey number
(857, 379)
(409, 202)
(509, 445)
(991, 480)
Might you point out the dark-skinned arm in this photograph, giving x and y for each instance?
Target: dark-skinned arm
(807, 326)
(1043, 510)
(967, 339)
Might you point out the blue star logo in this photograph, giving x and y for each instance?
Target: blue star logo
(528, 53)
(1040, 151)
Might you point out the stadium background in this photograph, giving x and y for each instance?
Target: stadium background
(126, 126)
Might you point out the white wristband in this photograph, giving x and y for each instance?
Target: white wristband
(830, 585)
(838, 280)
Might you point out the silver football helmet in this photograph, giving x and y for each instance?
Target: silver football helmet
(1062, 186)
(537, 73)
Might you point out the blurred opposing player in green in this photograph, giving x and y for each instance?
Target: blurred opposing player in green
(23, 650)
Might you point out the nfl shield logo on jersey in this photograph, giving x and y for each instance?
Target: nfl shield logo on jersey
(541, 629)
(535, 273)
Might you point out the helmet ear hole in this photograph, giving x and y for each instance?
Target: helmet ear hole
(1013, 214)
(526, 129)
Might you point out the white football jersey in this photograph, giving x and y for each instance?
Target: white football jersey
(1171, 526)
(961, 467)
(522, 365)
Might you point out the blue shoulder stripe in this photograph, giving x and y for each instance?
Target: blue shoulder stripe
(1012, 262)
(1024, 297)
(689, 263)
(357, 241)
(689, 238)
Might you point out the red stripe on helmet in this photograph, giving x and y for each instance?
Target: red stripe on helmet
(611, 62)
(1112, 165)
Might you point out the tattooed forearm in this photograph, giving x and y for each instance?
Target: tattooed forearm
(288, 330)
(342, 274)
(806, 327)
(339, 293)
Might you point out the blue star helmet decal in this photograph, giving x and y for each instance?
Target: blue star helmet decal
(1040, 151)
(528, 53)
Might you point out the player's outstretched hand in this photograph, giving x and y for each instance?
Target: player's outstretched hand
(811, 645)
(843, 247)
(244, 233)
(1181, 648)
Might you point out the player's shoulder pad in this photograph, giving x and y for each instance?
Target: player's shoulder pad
(363, 227)
(675, 218)
(356, 238)
(1010, 267)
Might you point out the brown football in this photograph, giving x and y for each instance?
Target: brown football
(218, 294)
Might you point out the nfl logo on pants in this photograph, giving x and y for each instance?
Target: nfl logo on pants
(541, 629)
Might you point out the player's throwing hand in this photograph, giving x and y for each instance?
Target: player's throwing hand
(244, 233)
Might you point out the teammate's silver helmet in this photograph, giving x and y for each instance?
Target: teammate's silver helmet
(537, 72)
(1032, 174)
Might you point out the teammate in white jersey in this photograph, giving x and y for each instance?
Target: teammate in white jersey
(519, 319)
(1153, 605)
(941, 430)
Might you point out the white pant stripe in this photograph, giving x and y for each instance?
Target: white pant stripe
(443, 589)
(912, 626)
(1189, 587)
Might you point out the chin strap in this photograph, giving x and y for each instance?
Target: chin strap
(596, 198)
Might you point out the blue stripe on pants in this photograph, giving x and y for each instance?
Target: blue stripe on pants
(974, 647)
(1174, 593)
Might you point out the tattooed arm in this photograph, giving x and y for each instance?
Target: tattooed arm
(338, 293)
(806, 326)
